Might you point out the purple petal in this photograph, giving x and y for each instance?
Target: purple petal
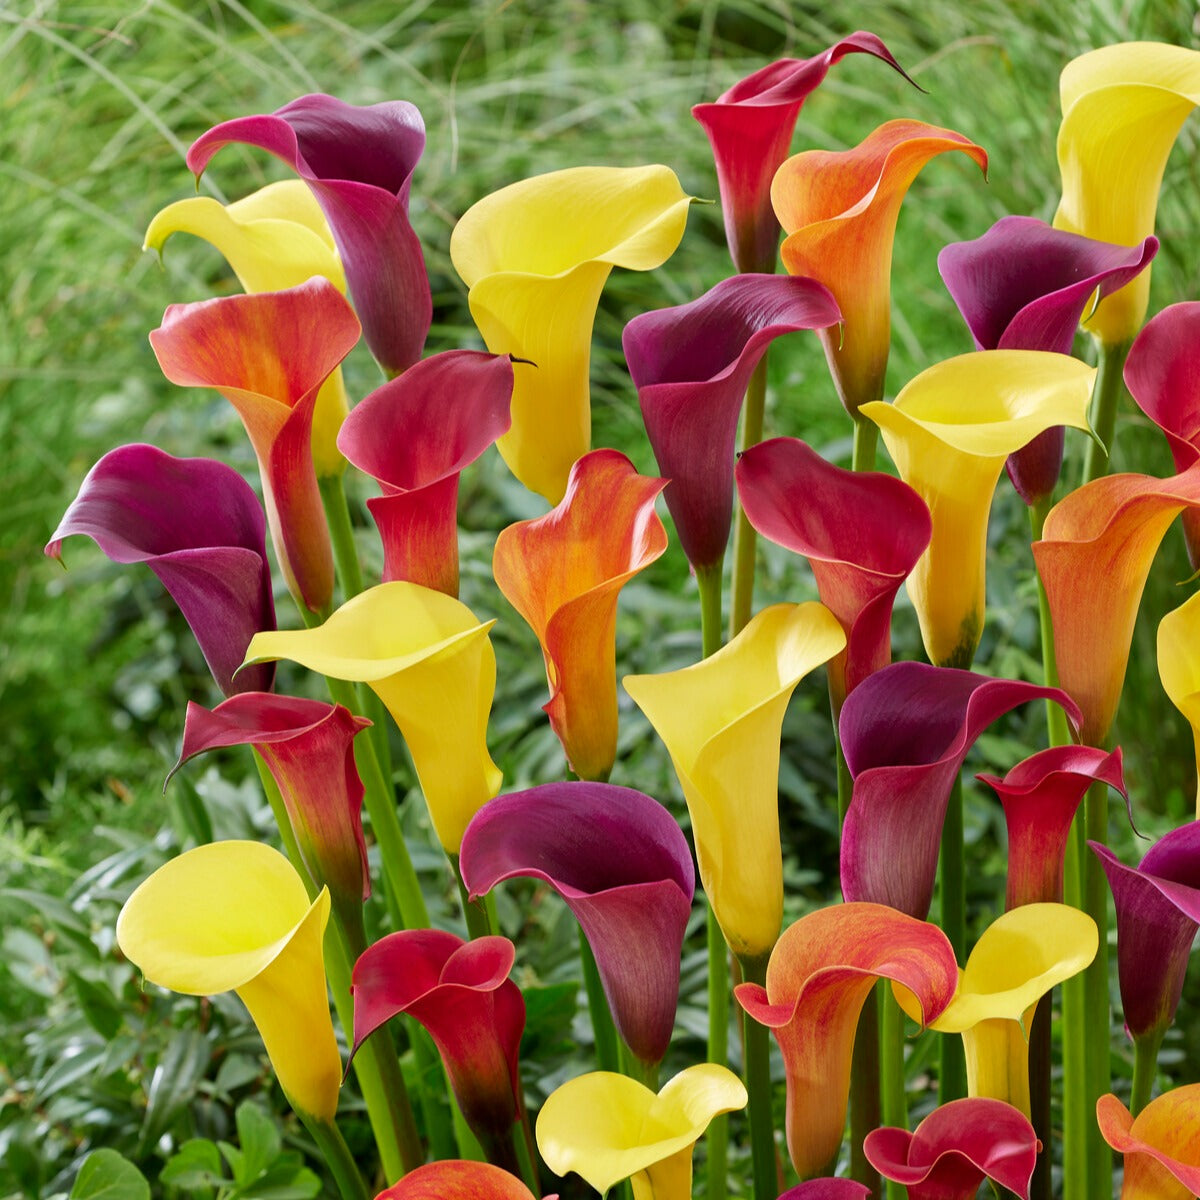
(199, 527)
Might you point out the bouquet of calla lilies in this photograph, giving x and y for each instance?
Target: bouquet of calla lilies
(849, 991)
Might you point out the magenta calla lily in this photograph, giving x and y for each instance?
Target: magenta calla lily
(1158, 913)
(1040, 796)
(862, 532)
(905, 732)
(632, 902)
(691, 365)
(955, 1148)
(308, 747)
(827, 1189)
(414, 435)
(199, 527)
(461, 993)
(1025, 285)
(750, 129)
(358, 161)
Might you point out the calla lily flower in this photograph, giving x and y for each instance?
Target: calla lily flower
(905, 732)
(633, 904)
(827, 1189)
(234, 916)
(430, 661)
(273, 239)
(535, 280)
(1162, 373)
(1017, 960)
(308, 748)
(458, 1179)
(1024, 285)
(358, 161)
(953, 459)
(1123, 107)
(720, 720)
(268, 354)
(199, 527)
(1179, 665)
(1095, 554)
(461, 993)
(818, 977)
(862, 533)
(1161, 1144)
(750, 129)
(607, 1127)
(839, 210)
(1158, 913)
(413, 436)
(691, 365)
(562, 573)
(1040, 796)
(955, 1148)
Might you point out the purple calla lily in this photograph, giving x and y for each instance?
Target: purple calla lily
(691, 365)
(358, 161)
(632, 902)
(199, 527)
(905, 732)
(1025, 285)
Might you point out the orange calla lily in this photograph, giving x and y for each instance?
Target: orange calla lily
(1161, 1144)
(839, 210)
(1123, 107)
(562, 573)
(535, 279)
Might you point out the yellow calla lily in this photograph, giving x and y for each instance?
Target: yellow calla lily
(431, 663)
(949, 433)
(607, 1127)
(234, 916)
(1179, 666)
(273, 239)
(1122, 107)
(535, 256)
(1016, 961)
(720, 720)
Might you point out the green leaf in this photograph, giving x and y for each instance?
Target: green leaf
(260, 1142)
(107, 1175)
(196, 1164)
(70, 1068)
(101, 1009)
(173, 1084)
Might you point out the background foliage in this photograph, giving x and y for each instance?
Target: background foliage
(98, 104)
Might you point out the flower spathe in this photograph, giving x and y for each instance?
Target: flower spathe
(562, 572)
(234, 916)
(955, 1148)
(458, 1179)
(720, 721)
(535, 280)
(414, 436)
(632, 903)
(1122, 106)
(750, 128)
(199, 527)
(839, 210)
(949, 433)
(1161, 1144)
(1179, 666)
(268, 355)
(818, 977)
(431, 663)
(358, 162)
(862, 533)
(691, 365)
(607, 1127)
(275, 238)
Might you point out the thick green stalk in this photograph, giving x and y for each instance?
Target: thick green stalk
(757, 1072)
(894, 1102)
(1105, 398)
(952, 1078)
(475, 912)
(603, 1029)
(1041, 1054)
(866, 439)
(337, 1157)
(745, 540)
(1056, 719)
(718, 1051)
(866, 1112)
(1145, 1066)
(708, 584)
(645, 1073)
(1095, 983)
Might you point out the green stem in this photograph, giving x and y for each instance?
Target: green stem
(845, 781)
(1056, 719)
(1145, 1066)
(718, 1051)
(1095, 983)
(526, 1160)
(645, 1073)
(757, 1042)
(1041, 1054)
(865, 1111)
(337, 1157)
(744, 538)
(866, 439)
(1105, 398)
(603, 1029)
(1077, 1119)
(891, 1053)
(475, 912)
(952, 1078)
(708, 584)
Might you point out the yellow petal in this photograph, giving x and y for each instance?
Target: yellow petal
(535, 256)
(948, 433)
(720, 721)
(234, 916)
(430, 661)
(1123, 106)
(1179, 665)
